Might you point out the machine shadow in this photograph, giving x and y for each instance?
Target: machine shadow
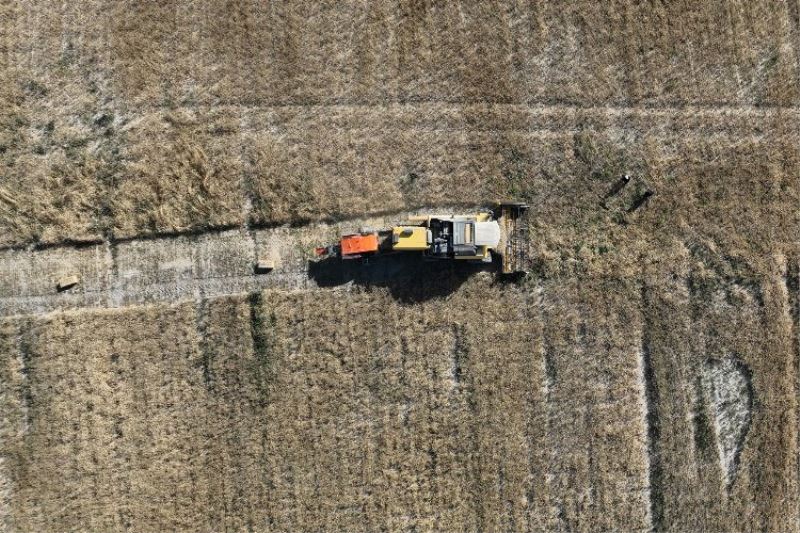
(408, 278)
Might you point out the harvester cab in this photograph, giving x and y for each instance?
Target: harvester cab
(472, 238)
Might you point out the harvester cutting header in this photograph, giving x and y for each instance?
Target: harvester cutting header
(472, 238)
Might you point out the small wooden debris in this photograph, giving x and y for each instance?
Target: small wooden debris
(264, 266)
(67, 282)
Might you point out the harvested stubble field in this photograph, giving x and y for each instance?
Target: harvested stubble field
(645, 376)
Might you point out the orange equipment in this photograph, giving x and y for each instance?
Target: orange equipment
(353, 246)
(358, 244)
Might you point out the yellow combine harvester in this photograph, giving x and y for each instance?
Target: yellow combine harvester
(470, 238)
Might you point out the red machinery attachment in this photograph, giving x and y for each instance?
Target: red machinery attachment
(356, 245)
(351, 246)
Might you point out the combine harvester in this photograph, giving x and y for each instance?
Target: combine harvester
(472, 238)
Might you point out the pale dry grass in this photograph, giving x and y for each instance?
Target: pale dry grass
(255, 82)
(698, 310)
(113, 431)
(567, 403)
(489, 406)
(12, 420)
(181, 171)
(236, 413)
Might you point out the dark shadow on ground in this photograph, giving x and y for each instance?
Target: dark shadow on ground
(408, 277)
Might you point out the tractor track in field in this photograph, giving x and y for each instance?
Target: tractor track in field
(443, 117)
(544, 106)
(184, 267)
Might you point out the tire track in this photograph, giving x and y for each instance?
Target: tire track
(793, 10)
(722, 107)
(655, 495)
(792, 282)
(469, 118)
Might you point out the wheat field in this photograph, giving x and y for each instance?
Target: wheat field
(645, 376)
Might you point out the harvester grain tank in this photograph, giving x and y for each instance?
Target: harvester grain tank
(471, 237)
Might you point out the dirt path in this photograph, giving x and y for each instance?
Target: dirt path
(182, 267)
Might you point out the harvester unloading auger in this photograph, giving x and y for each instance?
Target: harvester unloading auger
(473, 238)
